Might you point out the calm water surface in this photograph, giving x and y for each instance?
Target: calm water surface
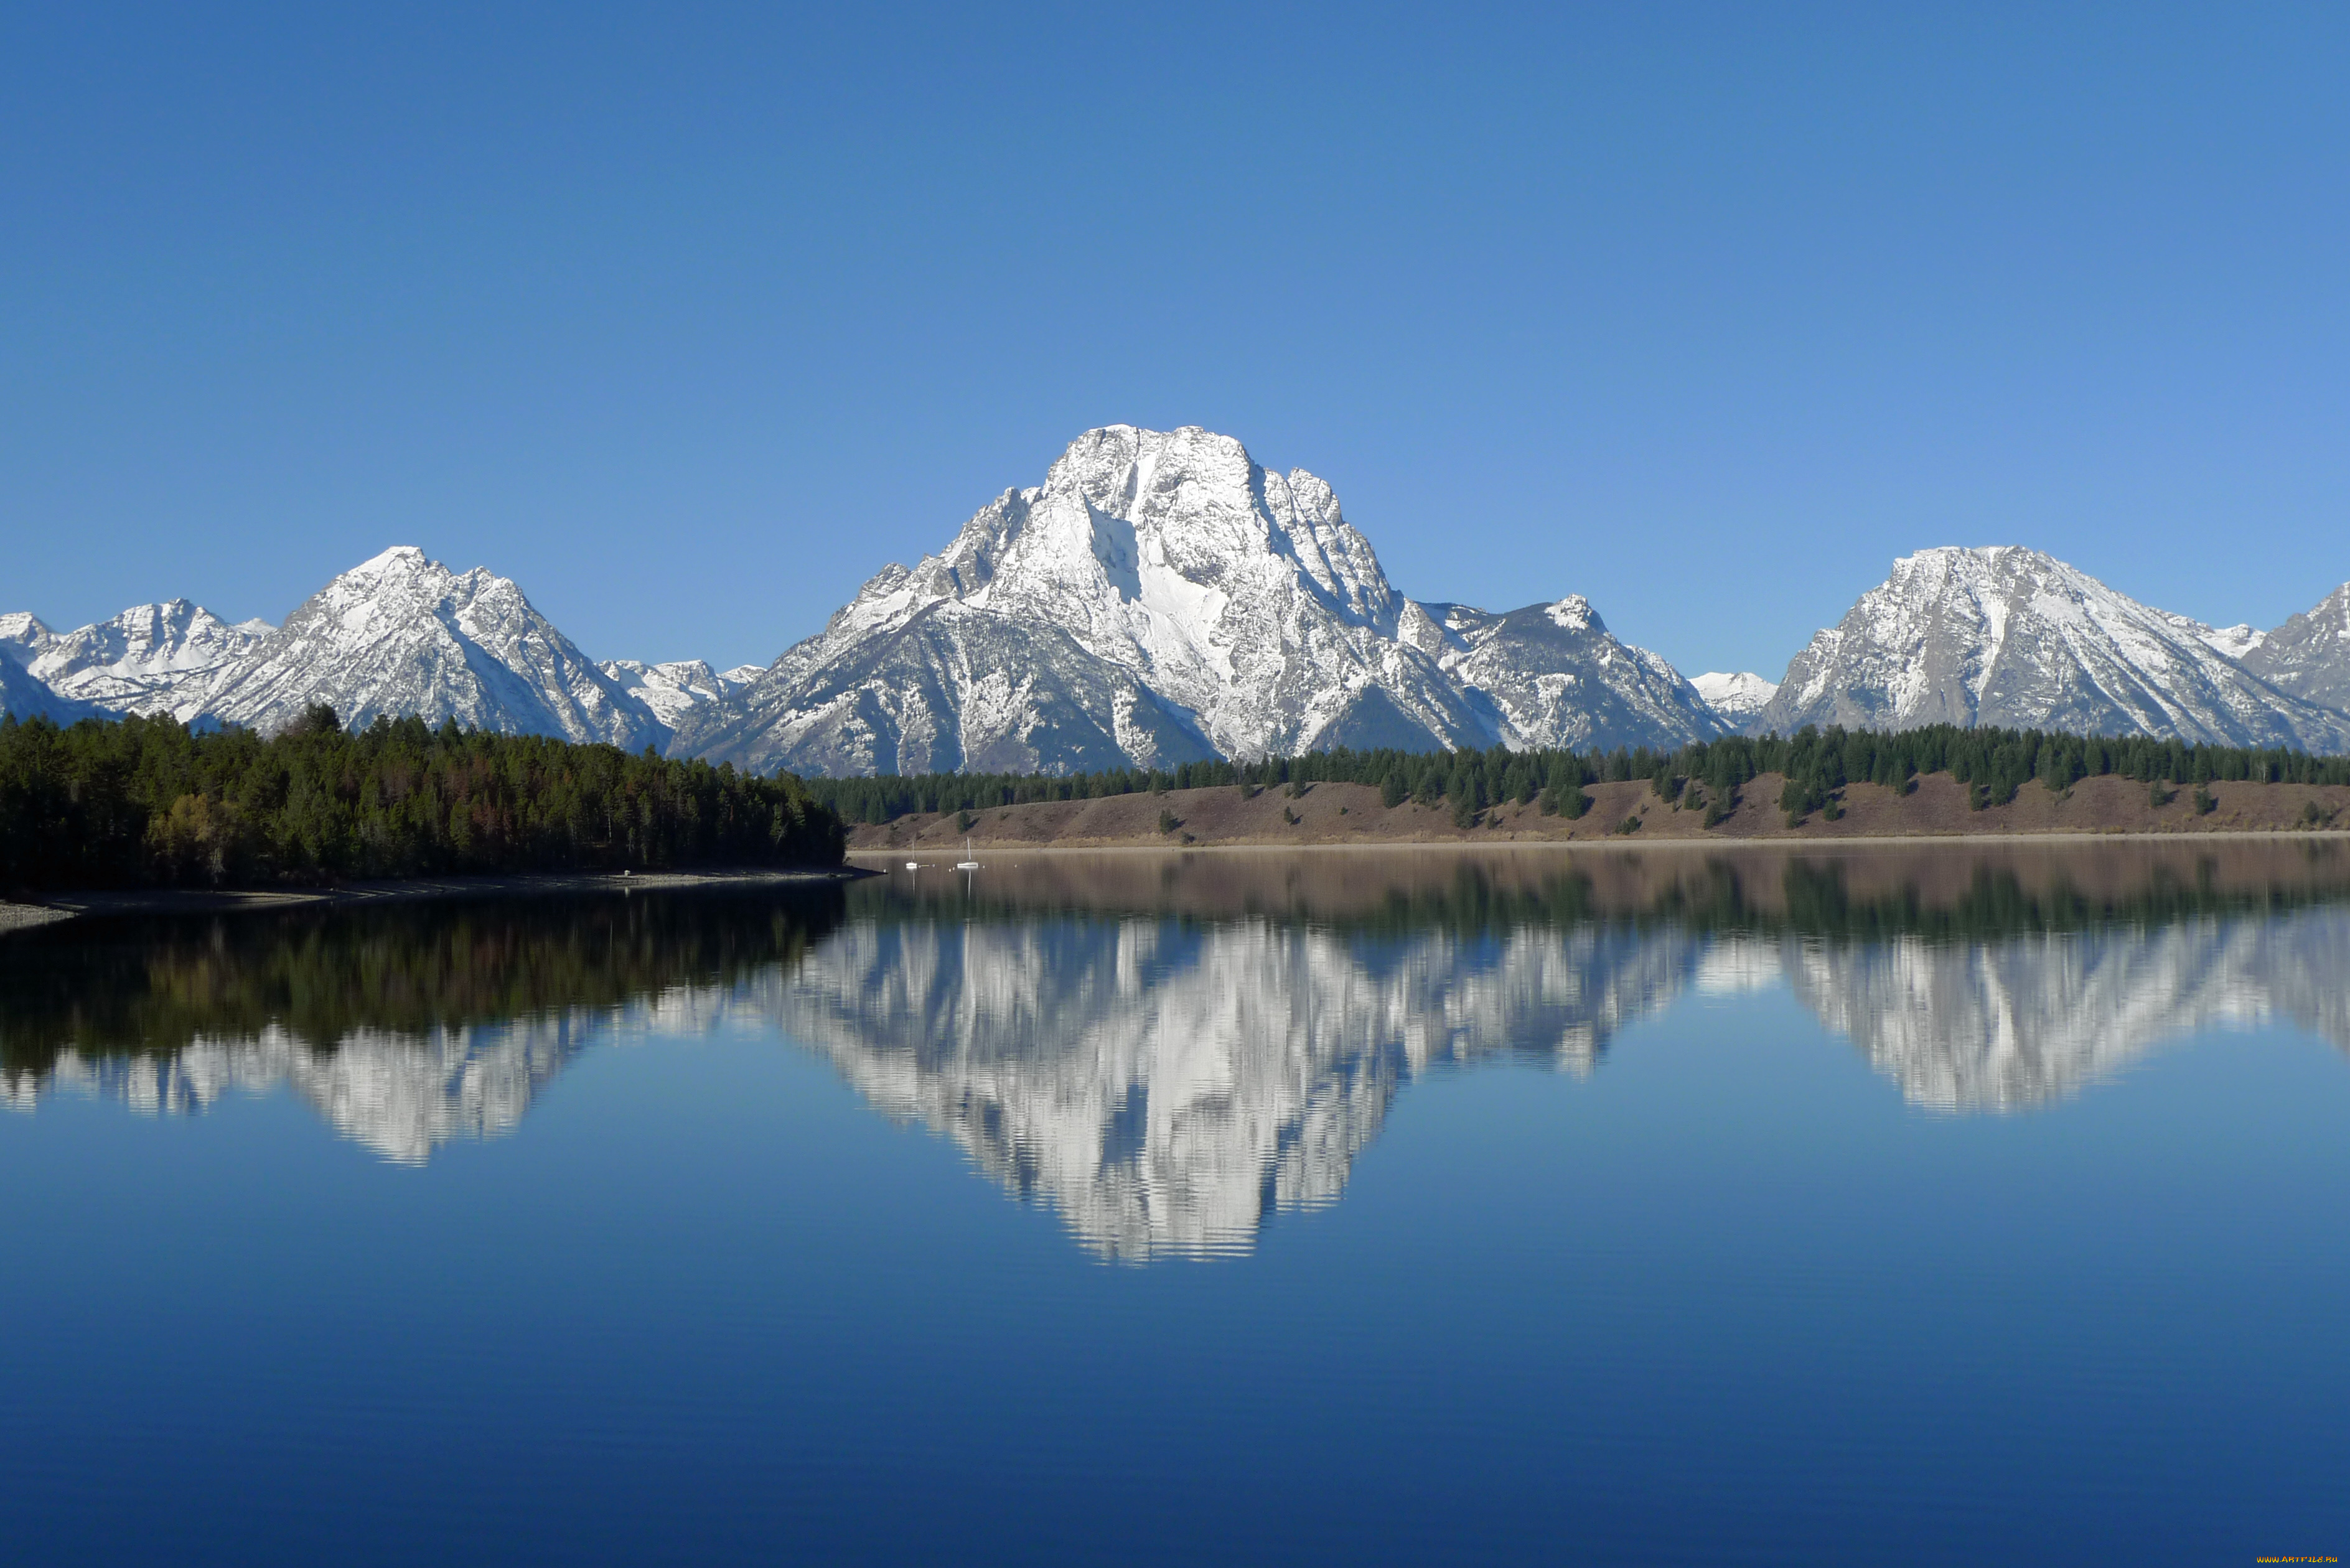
(1952, 1206)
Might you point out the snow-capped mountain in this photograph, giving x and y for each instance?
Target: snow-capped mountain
(22, 694)
(25, 696)
(1162, 597)
(150, 657)
(22, 637)
(1554, 676)
(1738, 697)
(671, 689)
(2011, 636)
(2309, 656)
(400, 634)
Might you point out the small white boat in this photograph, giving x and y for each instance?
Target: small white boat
(966, 863)
(913, 866)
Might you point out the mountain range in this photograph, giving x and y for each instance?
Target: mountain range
(1162, 597)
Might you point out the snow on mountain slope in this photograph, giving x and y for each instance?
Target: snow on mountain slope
(150, 657)
(1159, 596)
(2236, 641)
(1738, 697)
(2010, 636)
(22, 637)
(400, 634)
(952, 689)
(1555, 676)
(669, 690)
(24, 695)
(2309, 656)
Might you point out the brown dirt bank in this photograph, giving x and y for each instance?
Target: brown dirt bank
(170, 900)
(1331, 814)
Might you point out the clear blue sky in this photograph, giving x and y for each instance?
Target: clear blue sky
(688, 318)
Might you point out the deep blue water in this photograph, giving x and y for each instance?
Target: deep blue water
(1382, 1210)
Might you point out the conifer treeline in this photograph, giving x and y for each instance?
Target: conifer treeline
(1993, 763)
(144, 801)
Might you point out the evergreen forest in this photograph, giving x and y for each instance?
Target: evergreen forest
(146, 802)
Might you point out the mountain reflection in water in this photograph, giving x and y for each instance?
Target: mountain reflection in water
(1166, 1048)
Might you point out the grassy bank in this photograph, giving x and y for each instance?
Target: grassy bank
(1934, 804)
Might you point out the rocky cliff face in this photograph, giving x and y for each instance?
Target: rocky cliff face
(2008, 635)
(1161, 598)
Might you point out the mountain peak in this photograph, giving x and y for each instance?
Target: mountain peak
(1574, 613)
(399, 558)
(23, 636)
(1163, 597)
(2010, 636)
(1738, 696)
(153, 657)
(2309, 656)
(401, 634)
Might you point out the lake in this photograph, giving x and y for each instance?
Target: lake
(1952, 1205)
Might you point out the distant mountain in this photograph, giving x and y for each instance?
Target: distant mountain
(1738, 697)
(22, 637)
(1554, 676)
(2309, 656)
(2009, 636)
(670, 690)
(400, 634)
(1159, 598)
(150, 657)
(25, 696)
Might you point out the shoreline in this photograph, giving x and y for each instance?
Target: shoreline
(1621, 844)
(92, 904)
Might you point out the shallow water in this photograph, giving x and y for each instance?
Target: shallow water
(1948, 1205)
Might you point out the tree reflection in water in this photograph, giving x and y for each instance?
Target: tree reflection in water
(1167, 1048)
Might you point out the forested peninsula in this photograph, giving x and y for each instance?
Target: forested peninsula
(1934, 781)
(148, 802)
